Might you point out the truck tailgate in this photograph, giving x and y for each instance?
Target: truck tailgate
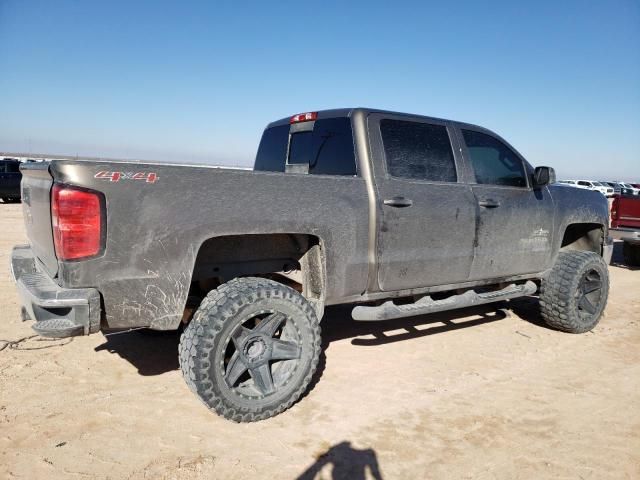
(36, 208)
(625, 212)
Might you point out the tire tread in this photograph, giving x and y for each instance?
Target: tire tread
(198, 339)
(557, 303)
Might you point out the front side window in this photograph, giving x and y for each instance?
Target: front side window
(493, 162)
(418, 151)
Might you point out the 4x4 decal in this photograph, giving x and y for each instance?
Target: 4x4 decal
(148, 177)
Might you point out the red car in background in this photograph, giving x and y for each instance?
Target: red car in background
(625, 225)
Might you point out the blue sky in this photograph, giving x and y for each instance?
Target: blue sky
(198, 81)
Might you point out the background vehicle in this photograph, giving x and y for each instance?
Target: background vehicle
(10, 178)
(571, 183)
(401, 214)
(617, 189)
(634, 190)
(620, 189)
(625, 225)
(606, 190)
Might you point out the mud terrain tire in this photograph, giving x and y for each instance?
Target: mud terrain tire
(574, 295)
(251, 349)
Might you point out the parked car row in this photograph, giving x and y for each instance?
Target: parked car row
(608, 189)
(629, 188)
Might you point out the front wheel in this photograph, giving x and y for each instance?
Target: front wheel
(574, 295)
(251, 349)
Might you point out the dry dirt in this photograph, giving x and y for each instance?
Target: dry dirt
(475, 394)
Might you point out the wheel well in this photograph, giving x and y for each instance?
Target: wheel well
(583, 236)
(293, 259)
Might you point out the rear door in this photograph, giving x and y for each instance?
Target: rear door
(427, 227)
(515, 221)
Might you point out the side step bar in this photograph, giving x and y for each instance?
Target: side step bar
(390, 310)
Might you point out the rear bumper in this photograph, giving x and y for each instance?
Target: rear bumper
(58, 312)
(630, 235)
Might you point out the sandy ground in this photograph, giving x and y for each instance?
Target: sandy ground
(475, 394)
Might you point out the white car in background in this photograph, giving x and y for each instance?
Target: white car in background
(635, 190)
(606, 190)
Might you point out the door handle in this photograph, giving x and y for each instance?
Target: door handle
(398, 202)
(489, 203)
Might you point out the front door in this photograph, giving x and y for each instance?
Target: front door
(427, 229)
(515, 221)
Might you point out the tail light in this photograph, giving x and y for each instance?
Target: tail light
(614, 211)
(76, 216)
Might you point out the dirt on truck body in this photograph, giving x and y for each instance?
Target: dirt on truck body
(397, 214)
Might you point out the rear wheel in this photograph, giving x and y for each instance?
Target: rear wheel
(574, 295)
(631, 253)
(251, 349)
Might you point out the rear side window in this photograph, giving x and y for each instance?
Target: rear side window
(13, 167)
(419, 151)
(273, 149)
(493, 162)
(327, 149)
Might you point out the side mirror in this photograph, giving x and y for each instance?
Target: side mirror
(543, 176)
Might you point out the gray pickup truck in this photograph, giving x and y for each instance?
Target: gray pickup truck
(397, 214)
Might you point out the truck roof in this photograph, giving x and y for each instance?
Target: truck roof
(347, 112)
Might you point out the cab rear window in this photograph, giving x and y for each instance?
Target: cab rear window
(327, 149)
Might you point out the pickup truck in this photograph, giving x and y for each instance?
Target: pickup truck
(10, 177)
(625, 226)
(394, 213)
